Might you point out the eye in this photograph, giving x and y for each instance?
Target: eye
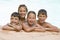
(43, 16)
(11, 18)
(40, 16)
(16, 19)
(29, 17)
(33, 17)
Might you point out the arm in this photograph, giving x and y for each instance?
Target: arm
(27, 28)
(6, 27)
(51, 28)
(16, 27)
(39, 28)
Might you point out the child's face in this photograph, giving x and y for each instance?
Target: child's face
(14, 20)
(42, 18)
(31, 18)
(22, 12)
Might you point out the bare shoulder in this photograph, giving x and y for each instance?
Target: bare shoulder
(24, 24)
(48, 24)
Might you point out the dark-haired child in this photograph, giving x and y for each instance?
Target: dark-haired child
(14, 23)
(42, 16)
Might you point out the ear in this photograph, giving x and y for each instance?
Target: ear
(46, 17)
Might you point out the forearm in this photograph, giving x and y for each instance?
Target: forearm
(8, 28)
(39, 30)
(17, 29)
(29, 29)
(49, 29)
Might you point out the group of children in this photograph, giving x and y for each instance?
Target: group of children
(18, 21)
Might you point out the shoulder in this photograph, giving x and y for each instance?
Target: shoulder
(24, 24)
(48, 23)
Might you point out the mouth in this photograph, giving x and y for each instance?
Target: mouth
(22, 14)
(13, 22)
(41, 20)
(31, 22)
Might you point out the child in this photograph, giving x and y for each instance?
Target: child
(22, 10)
(42, 15)
(14, 23)
(30, 25)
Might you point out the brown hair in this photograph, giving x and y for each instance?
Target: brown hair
(31, 12)
(15, 14)
(22, 5)
(42, 11)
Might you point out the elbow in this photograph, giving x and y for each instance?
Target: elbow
(18, 29)
(4, 28)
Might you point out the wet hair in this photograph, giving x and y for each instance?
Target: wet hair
(22, 5)
(31, 12)
(15, 14)
(43, 12)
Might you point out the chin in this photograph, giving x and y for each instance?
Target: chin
(41, 22)
(31, 23)
(23, 17)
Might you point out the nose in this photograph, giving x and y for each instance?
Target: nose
(42, 18)
(13, 20)
(32, 20)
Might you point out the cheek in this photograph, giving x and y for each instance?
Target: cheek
(34, 19)
(16, 20)
(44, 18)
(29, 19)
(11, 20)
(39, 18)
(22, 12)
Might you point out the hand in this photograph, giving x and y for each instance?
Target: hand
(9, 25)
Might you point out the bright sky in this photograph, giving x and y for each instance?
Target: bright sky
(52, 6)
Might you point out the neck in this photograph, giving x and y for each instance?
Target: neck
(40, 23)
(22, 19)
(30, 25)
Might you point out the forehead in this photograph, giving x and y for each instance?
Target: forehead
(14, 17)
(42, 14)
(31, 14)
(22, 8)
